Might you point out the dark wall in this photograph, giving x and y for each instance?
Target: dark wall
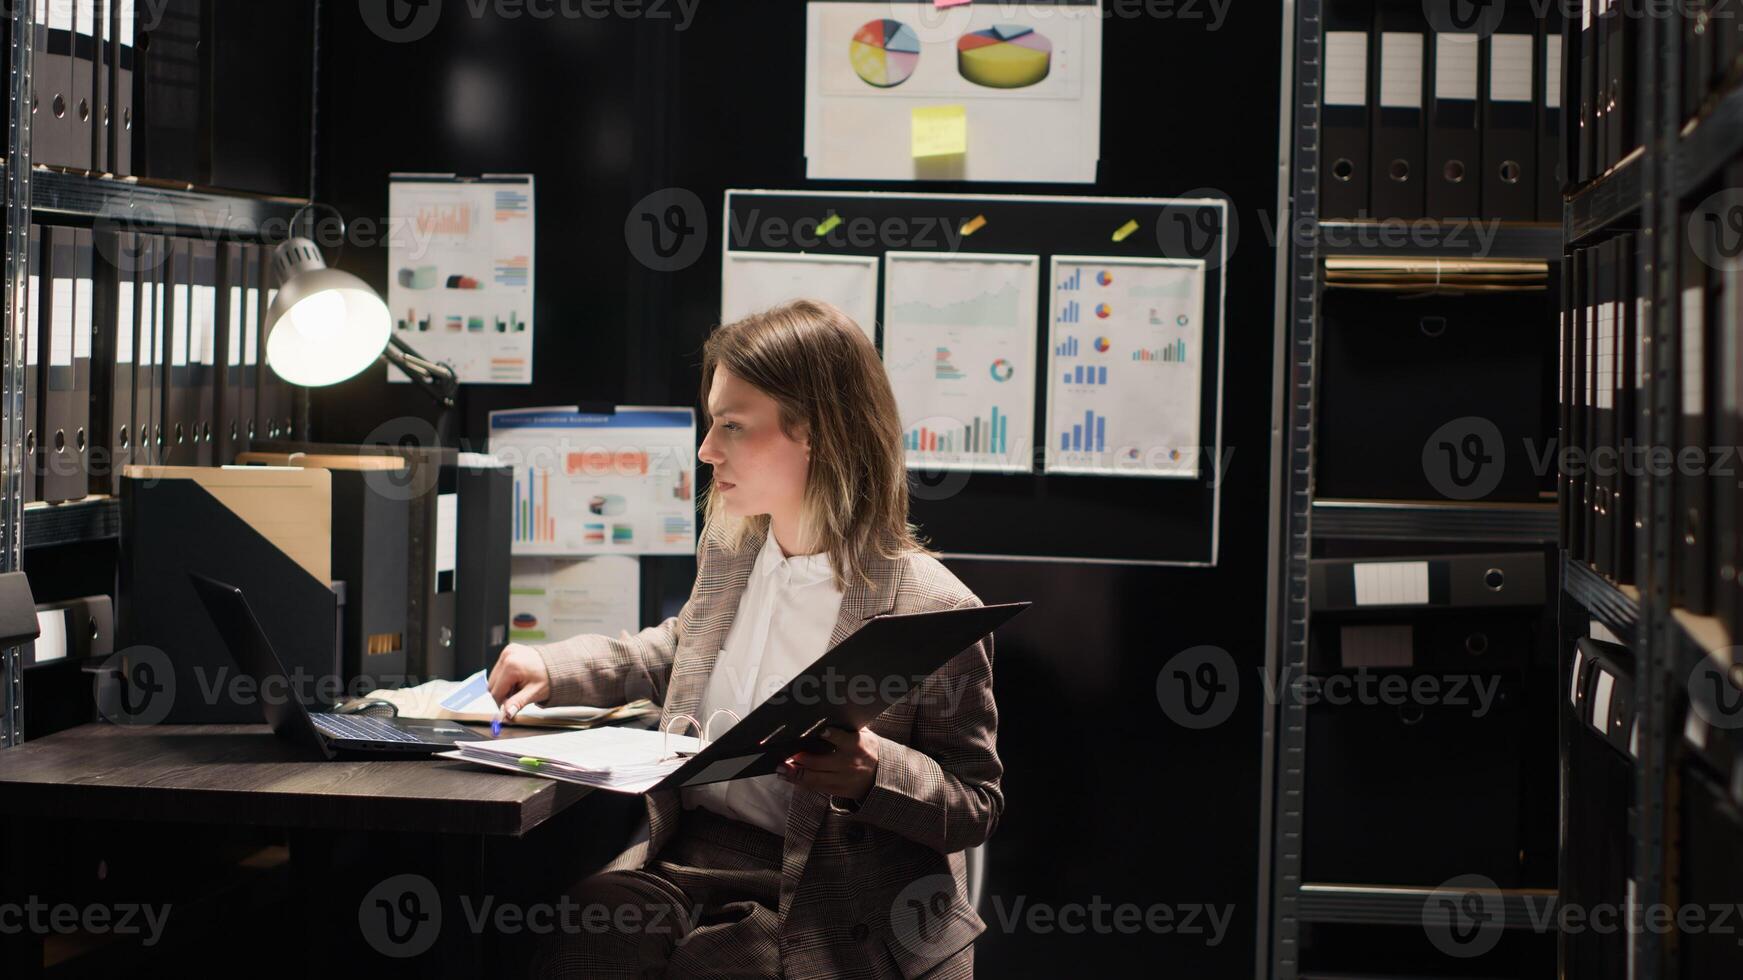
(1107, 801)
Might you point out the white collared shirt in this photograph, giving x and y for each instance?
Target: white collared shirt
(782, 626)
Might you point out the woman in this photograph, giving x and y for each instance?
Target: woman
(845, 863)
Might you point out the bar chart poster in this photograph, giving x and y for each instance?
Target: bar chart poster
(1124, 372)
(959, 346)
(460, 273)
(588, 483)
(755, 281)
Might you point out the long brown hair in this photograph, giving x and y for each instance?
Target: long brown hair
(823, 371)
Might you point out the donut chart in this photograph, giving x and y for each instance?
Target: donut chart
(1004, 57)
(884, 52)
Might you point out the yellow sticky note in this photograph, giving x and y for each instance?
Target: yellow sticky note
(1125, 231)
(829, 224)
(973, 225)
(940, 131)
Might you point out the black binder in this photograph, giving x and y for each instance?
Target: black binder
(181, 400)
(274, 393)
(1630, 379)
(1588, 104)
(1455, 144)
(84, 83)
(202, 344)
(1578, 397)
(370, 529)
(486, 534)
(102, 84)
(249, 403)
(53, 136)
(172, 124)
(1509, 120)
(63, 478)
(85, 426)
(1620, 45)
(33, 327)
(1697, 65)
(1564, 402)
(117, 321)
(1551, 160)
(1397, 100)
(1345, 171)
(1691, 549)
(148, 374)
(1602, 460)
(126, 19)
(230, 431)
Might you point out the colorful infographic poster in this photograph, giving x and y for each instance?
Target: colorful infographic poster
(460, 273)
(755, 281)
(1124, 372)
(592, 484)
(553, 599)
(959, 347)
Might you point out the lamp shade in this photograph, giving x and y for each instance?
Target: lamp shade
(325, 325)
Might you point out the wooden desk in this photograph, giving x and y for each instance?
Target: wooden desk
(244, 775)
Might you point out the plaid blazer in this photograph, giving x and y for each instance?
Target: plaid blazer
(891, 870)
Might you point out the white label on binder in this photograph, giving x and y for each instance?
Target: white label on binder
(1642, 327)
(1346, 68)
(1606, 354)
(1552, 72)
(447, 531)
(1400, 70)
(1694, 730)
(1693, 311)
(1598, 631)
(108, 21)
(82, 319)
(1455, 66)
(233, 352)
(206, 322)
(124, 323)
(251, 332)
(52, 644)
(149, 353)
(1634, 739)
(178, 338)
(60, 337)
(1391, 583)
(87, 17)
(34, 300)
(60, 15)
(1601, 703)
(127, 18)
(1573, 694)
(1510, 68)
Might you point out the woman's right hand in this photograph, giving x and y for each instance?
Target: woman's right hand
(519, 679)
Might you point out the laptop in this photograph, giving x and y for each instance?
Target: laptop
(289, 718)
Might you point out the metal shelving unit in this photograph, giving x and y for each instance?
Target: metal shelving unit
(1443, 239)
(17, 182)
(1409, 521)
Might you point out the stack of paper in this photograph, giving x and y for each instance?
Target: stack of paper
(624, 760)
(470, 700)
(1432, 275)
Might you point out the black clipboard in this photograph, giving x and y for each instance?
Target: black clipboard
(857, 680)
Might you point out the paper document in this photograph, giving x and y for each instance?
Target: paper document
(625, 760)
(469, 700)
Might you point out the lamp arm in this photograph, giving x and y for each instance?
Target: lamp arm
(436, 379)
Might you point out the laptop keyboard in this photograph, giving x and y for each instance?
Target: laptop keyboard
(362, 727)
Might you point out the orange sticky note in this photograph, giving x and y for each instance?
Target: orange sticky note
(973, 224)
(949, 3)
(940, 131)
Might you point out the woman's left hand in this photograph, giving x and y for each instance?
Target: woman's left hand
(847, 772)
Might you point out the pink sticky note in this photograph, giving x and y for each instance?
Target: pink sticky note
(950, 3)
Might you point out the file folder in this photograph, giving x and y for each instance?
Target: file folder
(1344, 173)
(102, 84)
(52, 133)
(1398, 122)
(62, 476)
(1697, 67)
(1603, 408)
(1564, 403)
(1630, 384)
(231, 431)
(1455, 144)
(1691, 568)
(117, 327)
(1588, 131)
(1552, 171)
(1509, 121)
(486, 534)
(274, 394)
(1620, 46)
(33, 327)
(126, 60)
(85, 426)
(1581, 397)
(1602, 24)
(250, 403)
(84, 82)
(72, 629)
(148, 377)
(202, 344)
(172, 128)
(181, 401)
